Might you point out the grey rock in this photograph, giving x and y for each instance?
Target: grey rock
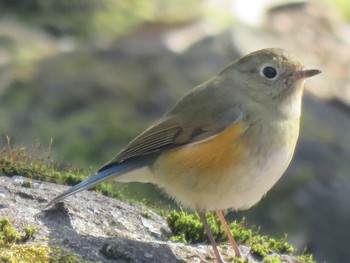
(99, 228)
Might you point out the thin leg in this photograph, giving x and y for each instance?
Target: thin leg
(210, 236)
(228, 233)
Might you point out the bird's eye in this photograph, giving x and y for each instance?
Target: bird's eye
(269, 72)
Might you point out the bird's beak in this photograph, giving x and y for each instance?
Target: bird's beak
(307, 73)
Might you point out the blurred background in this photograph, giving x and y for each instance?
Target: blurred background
(91, 75)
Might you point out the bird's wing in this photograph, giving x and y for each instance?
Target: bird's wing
(168, 133)
(156, 137)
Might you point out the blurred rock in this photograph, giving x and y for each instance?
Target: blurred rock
(323, 201)
(315, 32)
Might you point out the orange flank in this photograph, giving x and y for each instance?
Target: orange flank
(217, 153)
(198, 163)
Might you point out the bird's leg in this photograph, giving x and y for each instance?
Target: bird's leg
(228, 233)
(210, 236)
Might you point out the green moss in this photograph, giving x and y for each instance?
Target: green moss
(38, 254)
(187, 228)
(281, 246)
(27, 184)
(69, 178)
(19, 161)
(272, 260)
(29, 233)
(240, 260)
(146, 214)
(260, 249)
(305, 258)
(60, 256)
(10, 235)
(25, 253)
(179, 238)
(14, 249)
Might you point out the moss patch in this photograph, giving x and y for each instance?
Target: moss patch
(13, 247)
(26, 162)
(10, 235)
(38, 254)
(188, 228)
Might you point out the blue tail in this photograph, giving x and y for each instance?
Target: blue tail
(99, 177)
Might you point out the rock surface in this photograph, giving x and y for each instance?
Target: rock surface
(99, 228)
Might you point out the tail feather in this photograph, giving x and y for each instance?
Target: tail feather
(99, 177)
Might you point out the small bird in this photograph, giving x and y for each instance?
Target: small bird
(224, 144)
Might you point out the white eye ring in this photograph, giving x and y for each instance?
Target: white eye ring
(269, 72)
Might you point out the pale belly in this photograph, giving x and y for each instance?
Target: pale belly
(236, 188)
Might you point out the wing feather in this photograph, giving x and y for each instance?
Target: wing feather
(146, 145)
(159, 135)
(166, 134)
